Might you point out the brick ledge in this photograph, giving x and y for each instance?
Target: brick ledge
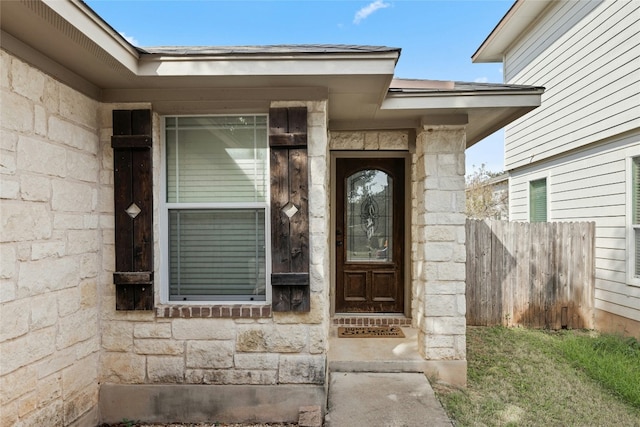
(215, 311)
(371, 321)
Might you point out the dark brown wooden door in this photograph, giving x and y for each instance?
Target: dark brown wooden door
(369, 235)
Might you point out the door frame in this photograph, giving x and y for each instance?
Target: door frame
(407, 221)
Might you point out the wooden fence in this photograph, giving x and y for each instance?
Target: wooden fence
(538, 275)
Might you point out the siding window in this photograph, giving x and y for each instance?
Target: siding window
(216, 206)
(635, 214)
(538, 200)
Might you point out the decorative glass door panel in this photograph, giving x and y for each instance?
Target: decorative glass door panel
(369, 206)
(369, 235)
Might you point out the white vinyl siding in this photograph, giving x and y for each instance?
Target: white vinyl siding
(591, 185)
(591, 72)
(216, 208)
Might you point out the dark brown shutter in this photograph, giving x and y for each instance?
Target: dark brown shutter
(131, 142)
(289, 209)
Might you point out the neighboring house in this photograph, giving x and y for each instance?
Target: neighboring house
(488, 197)
(182, 228)
(577, 157)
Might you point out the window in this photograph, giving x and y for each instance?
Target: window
(635, 215)
(538, 200)
(216, 207)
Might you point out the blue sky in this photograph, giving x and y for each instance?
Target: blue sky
(437, 37)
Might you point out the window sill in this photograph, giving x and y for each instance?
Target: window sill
(234, 311)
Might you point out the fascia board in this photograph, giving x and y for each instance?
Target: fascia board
(463, 101)
(91, 25)
(327, 65)
(516, 21)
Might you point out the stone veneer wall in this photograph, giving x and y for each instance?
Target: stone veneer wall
(438, 248)
(50, 221)
(210, 344)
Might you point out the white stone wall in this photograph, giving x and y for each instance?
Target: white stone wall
(50, 247)
(438, 253)
(204, 348)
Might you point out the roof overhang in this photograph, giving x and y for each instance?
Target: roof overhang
(521, 16)
(72, 43)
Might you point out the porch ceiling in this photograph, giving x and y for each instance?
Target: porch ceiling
(69, 41)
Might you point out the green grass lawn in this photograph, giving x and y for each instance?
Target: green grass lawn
(522, 377)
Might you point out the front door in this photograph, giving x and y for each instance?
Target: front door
(369, 235)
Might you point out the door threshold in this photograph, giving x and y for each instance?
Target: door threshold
(370, 319)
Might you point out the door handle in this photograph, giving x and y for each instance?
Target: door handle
(338, 242)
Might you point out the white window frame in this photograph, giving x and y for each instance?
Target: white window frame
(165, 207)
(632, 279)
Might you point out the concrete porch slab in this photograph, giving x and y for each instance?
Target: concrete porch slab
(391, 355)
(383, 399)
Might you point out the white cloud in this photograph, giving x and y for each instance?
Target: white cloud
(482, 80)
(368, 10)
(130, 39)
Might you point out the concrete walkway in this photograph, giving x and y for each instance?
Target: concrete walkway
(372, 399)
(380, 382)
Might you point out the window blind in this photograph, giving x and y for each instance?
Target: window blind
(635, 211)
(538, 200)
(217, 253)
(213, 159)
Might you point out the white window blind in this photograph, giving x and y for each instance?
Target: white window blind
(635, 212)
(538, 200)
(217, 174)
(217, 253)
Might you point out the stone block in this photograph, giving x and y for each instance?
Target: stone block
(67, 133)
(44, 311)
(455, 271)
(49, 389)
(318, 339)
(83, 241)
(203, 329)
(314, 316)
(257, 361)
(445, 288)
(310, 416)
(87, 347)
(210, 354)
(27, 404)
(9, 188)
(68, 301)
(83, 167)
(40, 156)
(158, 346)
(233, 377)
(77, 327)
(125, 368)
(50, 249)
(80, 404)
(16, 113)
(71, 197)
(272, 339)
(438, 252)
(8, 259)
(445, 325)
(78, 107)
(371, 141)
(5, 69)
(89, 265)
(15, 320)
(7, 163)
(21, 222)
(61, 274)
(27, 81)
(50, 415)
(346, 140)
(26, 349)
(9, 413)
(40, 120)
(393, 140)
(301, 369)
(80, 375)
(165, 369)
(152, 330)
(17, 384)
(56, 362)
(117, 336)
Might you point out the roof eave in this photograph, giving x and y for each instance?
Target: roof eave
(516, 21)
